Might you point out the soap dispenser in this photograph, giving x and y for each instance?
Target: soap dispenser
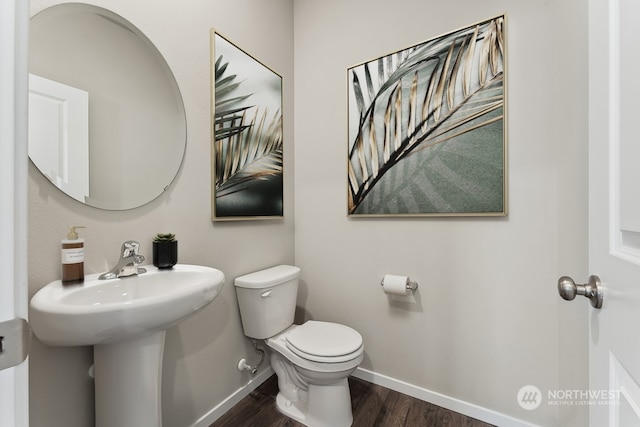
(73, 257)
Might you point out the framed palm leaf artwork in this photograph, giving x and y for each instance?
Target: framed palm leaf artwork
(247, 135)
(427, 128)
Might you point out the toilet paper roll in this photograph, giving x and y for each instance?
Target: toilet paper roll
(395, 285)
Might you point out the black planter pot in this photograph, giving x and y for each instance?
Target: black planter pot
(165, 254)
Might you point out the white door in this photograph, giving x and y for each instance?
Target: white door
(14, 396)
(614, 211)
(59, 134)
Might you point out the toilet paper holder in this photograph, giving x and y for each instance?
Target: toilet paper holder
(412, 285)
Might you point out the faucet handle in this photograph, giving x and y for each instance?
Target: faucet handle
(129, 248)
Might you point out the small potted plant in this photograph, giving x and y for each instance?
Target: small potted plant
(165, 250)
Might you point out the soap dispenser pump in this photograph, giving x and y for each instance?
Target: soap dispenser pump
(73, 257)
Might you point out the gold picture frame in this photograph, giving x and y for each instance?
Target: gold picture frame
(247, 135)
(427, 127)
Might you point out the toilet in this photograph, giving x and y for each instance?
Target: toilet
(312, 361)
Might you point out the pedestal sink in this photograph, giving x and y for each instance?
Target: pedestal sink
(125, 319)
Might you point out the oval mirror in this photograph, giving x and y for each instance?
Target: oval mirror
(106, 119)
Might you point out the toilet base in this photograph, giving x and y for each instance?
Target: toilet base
(326, 406)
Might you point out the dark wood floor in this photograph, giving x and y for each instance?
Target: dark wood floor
(372, 404)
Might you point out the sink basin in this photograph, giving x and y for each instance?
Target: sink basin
(103, 311)
(125, 320)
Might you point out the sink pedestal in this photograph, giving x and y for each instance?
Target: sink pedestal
(128, 380)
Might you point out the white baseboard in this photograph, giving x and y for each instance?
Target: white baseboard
(451, 403)
(207, 419)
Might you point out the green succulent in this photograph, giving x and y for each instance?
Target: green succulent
(165, 237)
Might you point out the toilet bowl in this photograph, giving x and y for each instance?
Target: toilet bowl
(312, 361)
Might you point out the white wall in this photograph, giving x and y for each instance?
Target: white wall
(201, 354)
(489, 319)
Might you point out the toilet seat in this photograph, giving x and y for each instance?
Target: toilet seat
(324, 342)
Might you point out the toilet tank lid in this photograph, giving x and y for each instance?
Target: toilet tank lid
(269, 277)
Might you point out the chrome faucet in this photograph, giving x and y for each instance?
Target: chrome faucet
(129, 262)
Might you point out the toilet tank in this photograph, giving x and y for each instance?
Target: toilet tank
(267, 300)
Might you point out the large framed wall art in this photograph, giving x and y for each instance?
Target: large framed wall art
(247, 145)
(427, 128)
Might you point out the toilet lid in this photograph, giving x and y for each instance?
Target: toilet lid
(322, 340)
